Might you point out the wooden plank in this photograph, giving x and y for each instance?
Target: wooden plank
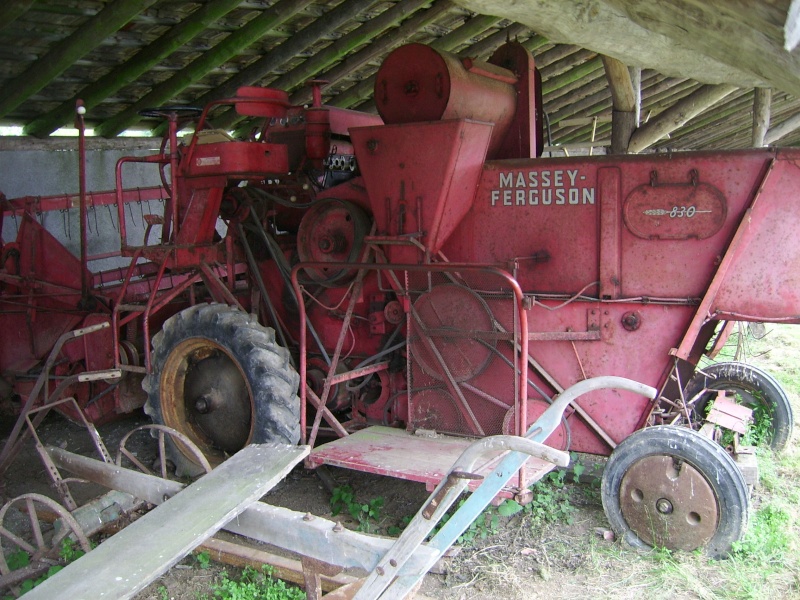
(287, 569)
(128, 561)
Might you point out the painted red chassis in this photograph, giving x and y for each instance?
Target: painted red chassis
(510, 277)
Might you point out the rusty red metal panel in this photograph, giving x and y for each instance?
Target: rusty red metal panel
(422, 178)
(763, 280)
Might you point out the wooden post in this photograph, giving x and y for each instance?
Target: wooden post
(623, 97)
(676, 115)
(761, 113)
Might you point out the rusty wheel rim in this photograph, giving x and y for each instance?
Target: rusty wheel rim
(206, 396)
(668, 502)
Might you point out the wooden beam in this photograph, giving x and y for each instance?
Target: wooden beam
(782, 130)
(229, 47)
(676, 115)
(287, 569)
(761, 108)
(11, 10)
(65, 53)
(141, 62)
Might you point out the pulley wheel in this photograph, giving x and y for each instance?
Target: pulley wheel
(332, 231)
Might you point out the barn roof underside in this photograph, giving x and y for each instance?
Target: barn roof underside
(121, 56)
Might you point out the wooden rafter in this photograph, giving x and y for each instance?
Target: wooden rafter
(676, 115)
(11, 10)
(251, 32)
(139, 64)
(64, 54)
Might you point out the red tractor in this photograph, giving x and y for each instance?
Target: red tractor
(401, 285)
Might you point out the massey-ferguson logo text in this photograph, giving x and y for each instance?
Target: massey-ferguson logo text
(534, 188)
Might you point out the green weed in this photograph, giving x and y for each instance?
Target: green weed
(68, 552)
(255, 585)
(203, 559)
(367, 514)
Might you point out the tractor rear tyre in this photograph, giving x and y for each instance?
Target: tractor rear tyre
(219, 377)
(754, 388)
(671, 487)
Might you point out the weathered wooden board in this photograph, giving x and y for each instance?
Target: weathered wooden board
(127, 562)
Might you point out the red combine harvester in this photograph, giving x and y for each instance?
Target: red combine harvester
(405, 284)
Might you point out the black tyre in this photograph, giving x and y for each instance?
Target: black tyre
(221, 379)
(673, 488)
(772, 413)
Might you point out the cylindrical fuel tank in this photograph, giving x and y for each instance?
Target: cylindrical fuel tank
(417, 83)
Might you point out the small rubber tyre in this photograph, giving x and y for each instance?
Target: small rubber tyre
(751, 387)
(672, 487)
(219, 377)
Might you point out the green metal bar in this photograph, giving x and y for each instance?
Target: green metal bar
(64, 54)
(250, 33)
(140, 63)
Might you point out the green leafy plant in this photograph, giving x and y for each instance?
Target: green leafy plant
(203, 559)
(366, 514)
(255, 585)
(550, 502)
(68, 552)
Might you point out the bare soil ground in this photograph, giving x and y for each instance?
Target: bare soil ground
(528, 555)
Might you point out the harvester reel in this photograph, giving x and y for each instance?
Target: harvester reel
(39, 538)
(751, 387)
(220, 379)
(674, 488)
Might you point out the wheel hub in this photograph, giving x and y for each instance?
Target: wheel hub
(668, 503)
(218, 402)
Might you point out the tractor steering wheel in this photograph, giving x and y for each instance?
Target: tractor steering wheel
(181, 112)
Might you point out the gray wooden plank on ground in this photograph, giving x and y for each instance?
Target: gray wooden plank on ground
(128, 561)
